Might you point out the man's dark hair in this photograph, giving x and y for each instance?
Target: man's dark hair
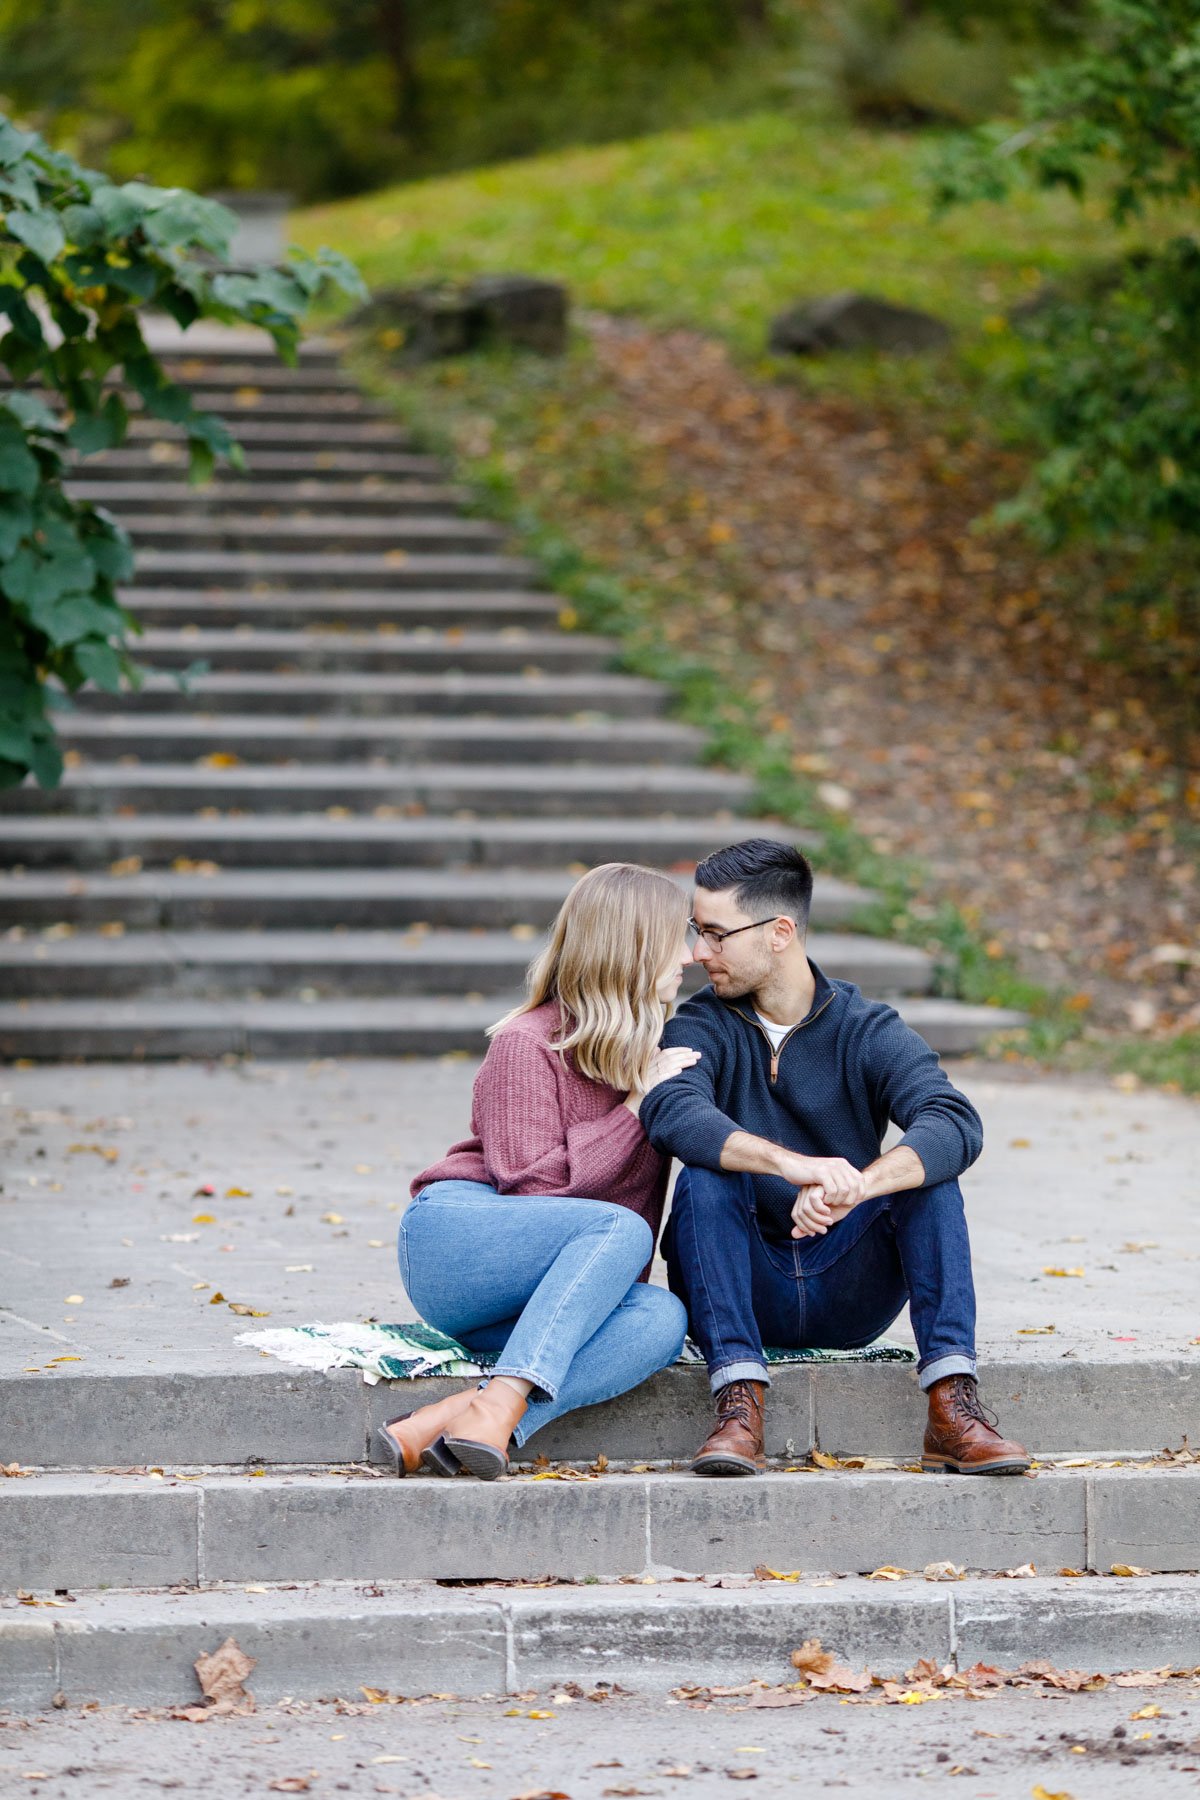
(765, 876)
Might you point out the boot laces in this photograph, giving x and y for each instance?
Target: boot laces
(972, 1405)
(735, 1404)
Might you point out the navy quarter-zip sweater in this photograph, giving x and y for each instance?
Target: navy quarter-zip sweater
(836, 1080)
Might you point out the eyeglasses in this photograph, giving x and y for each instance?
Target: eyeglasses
(714, 938)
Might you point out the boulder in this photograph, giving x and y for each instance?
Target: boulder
(521, 310)
(854, 322)
(420, 324)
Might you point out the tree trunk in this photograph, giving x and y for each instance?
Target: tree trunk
(395, 35)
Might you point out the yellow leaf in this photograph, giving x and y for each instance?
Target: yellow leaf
(219, 759)
(218, 1299)
(823, 1460)
(540, 1715)
(238, 1193)
(58, 1359)
(331, 1218)
(1035, 1330)
(1041, 1793)
(1148, 1712)
(203, 1219)
(247, 1312)
(915, 1699)
(887, 1573)
(1062, 1272)
(1127, 1569)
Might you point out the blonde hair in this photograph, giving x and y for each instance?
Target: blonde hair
(616, 933)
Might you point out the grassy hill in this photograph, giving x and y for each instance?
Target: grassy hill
(720, 227)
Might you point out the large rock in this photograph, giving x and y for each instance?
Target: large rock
(852, 321)
(423, 323)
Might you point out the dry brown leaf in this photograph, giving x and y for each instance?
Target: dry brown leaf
(810, 1659)
(763, 1573)
(888, 1572)
(793, 1696)
(1127, 1569)
(823, 1460)
(221, 1675)
(1069, 1681)
(290, 1784)
(1141, 1678)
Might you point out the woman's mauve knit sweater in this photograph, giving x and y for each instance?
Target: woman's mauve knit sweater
(540, 1127)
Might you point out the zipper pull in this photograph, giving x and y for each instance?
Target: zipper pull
(774, 1065)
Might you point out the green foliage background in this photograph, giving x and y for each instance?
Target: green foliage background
(327, 97)
(79, 257)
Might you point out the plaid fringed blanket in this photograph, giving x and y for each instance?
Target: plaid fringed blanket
(405, 1352)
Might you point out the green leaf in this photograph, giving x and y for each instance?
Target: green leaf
(84, 225)
(121, 209)
(101, 430)
(33, 413)
(18, 180)
(14, 144)
(40, 232)
(101, 664)
(75, 616)
(31, 579)
(20, 471)
(111, 553)
(16, 522)
(46, 762)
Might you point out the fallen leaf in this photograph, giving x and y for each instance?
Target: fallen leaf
(222, 1674)
(888, 1572)
(943, 1571)
(203, 1219)
(1127, 1569)
(810, 1659)
(246, 1312)
(331, 1218)
(823, 1460)
(1148, 1712)
(1068, 1681)
(238, 1193)
(1141, 1678)
(1022, 1573)
(1062, 1272)
(1041, 1793)
(742, 1774)
(762, 1573)
(217, 1299)
(1036, 1330)
(290, 1784)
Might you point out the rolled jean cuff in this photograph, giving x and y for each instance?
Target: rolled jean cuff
(738, 1371)
(539, 1390)
(957, 1362)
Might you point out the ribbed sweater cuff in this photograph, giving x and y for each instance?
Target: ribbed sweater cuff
(940, 1159)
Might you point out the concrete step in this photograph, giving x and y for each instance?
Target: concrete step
(510, 650)
(370, 695)
(286, 608)
(277, 899)
(324, 569)
(255, 737)
(418, 788)
(314, 841)
(323, 1640)
(450, 533)
(90, 1530)
(254, 1410)
(334, 433)
(313, 378)
(167, 461)
(318, 964)
(236, 401)
(116, 1030)
(366, 497)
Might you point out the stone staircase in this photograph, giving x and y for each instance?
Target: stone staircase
(345, 836)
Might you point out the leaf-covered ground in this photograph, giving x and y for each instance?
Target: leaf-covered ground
(932, 682)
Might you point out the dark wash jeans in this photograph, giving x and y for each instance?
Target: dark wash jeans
(743, 1290)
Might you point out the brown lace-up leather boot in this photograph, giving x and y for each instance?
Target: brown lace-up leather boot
(735, 1444)
(961, 1439)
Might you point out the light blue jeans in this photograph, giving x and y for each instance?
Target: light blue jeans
(550, 1282)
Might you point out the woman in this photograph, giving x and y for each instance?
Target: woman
(535, 1235)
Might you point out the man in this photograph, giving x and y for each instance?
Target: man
(789, 1226)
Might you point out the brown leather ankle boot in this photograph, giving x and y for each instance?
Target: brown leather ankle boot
(409, 1434)
(960, 1438)
(480, 1437)
(735, 1444)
